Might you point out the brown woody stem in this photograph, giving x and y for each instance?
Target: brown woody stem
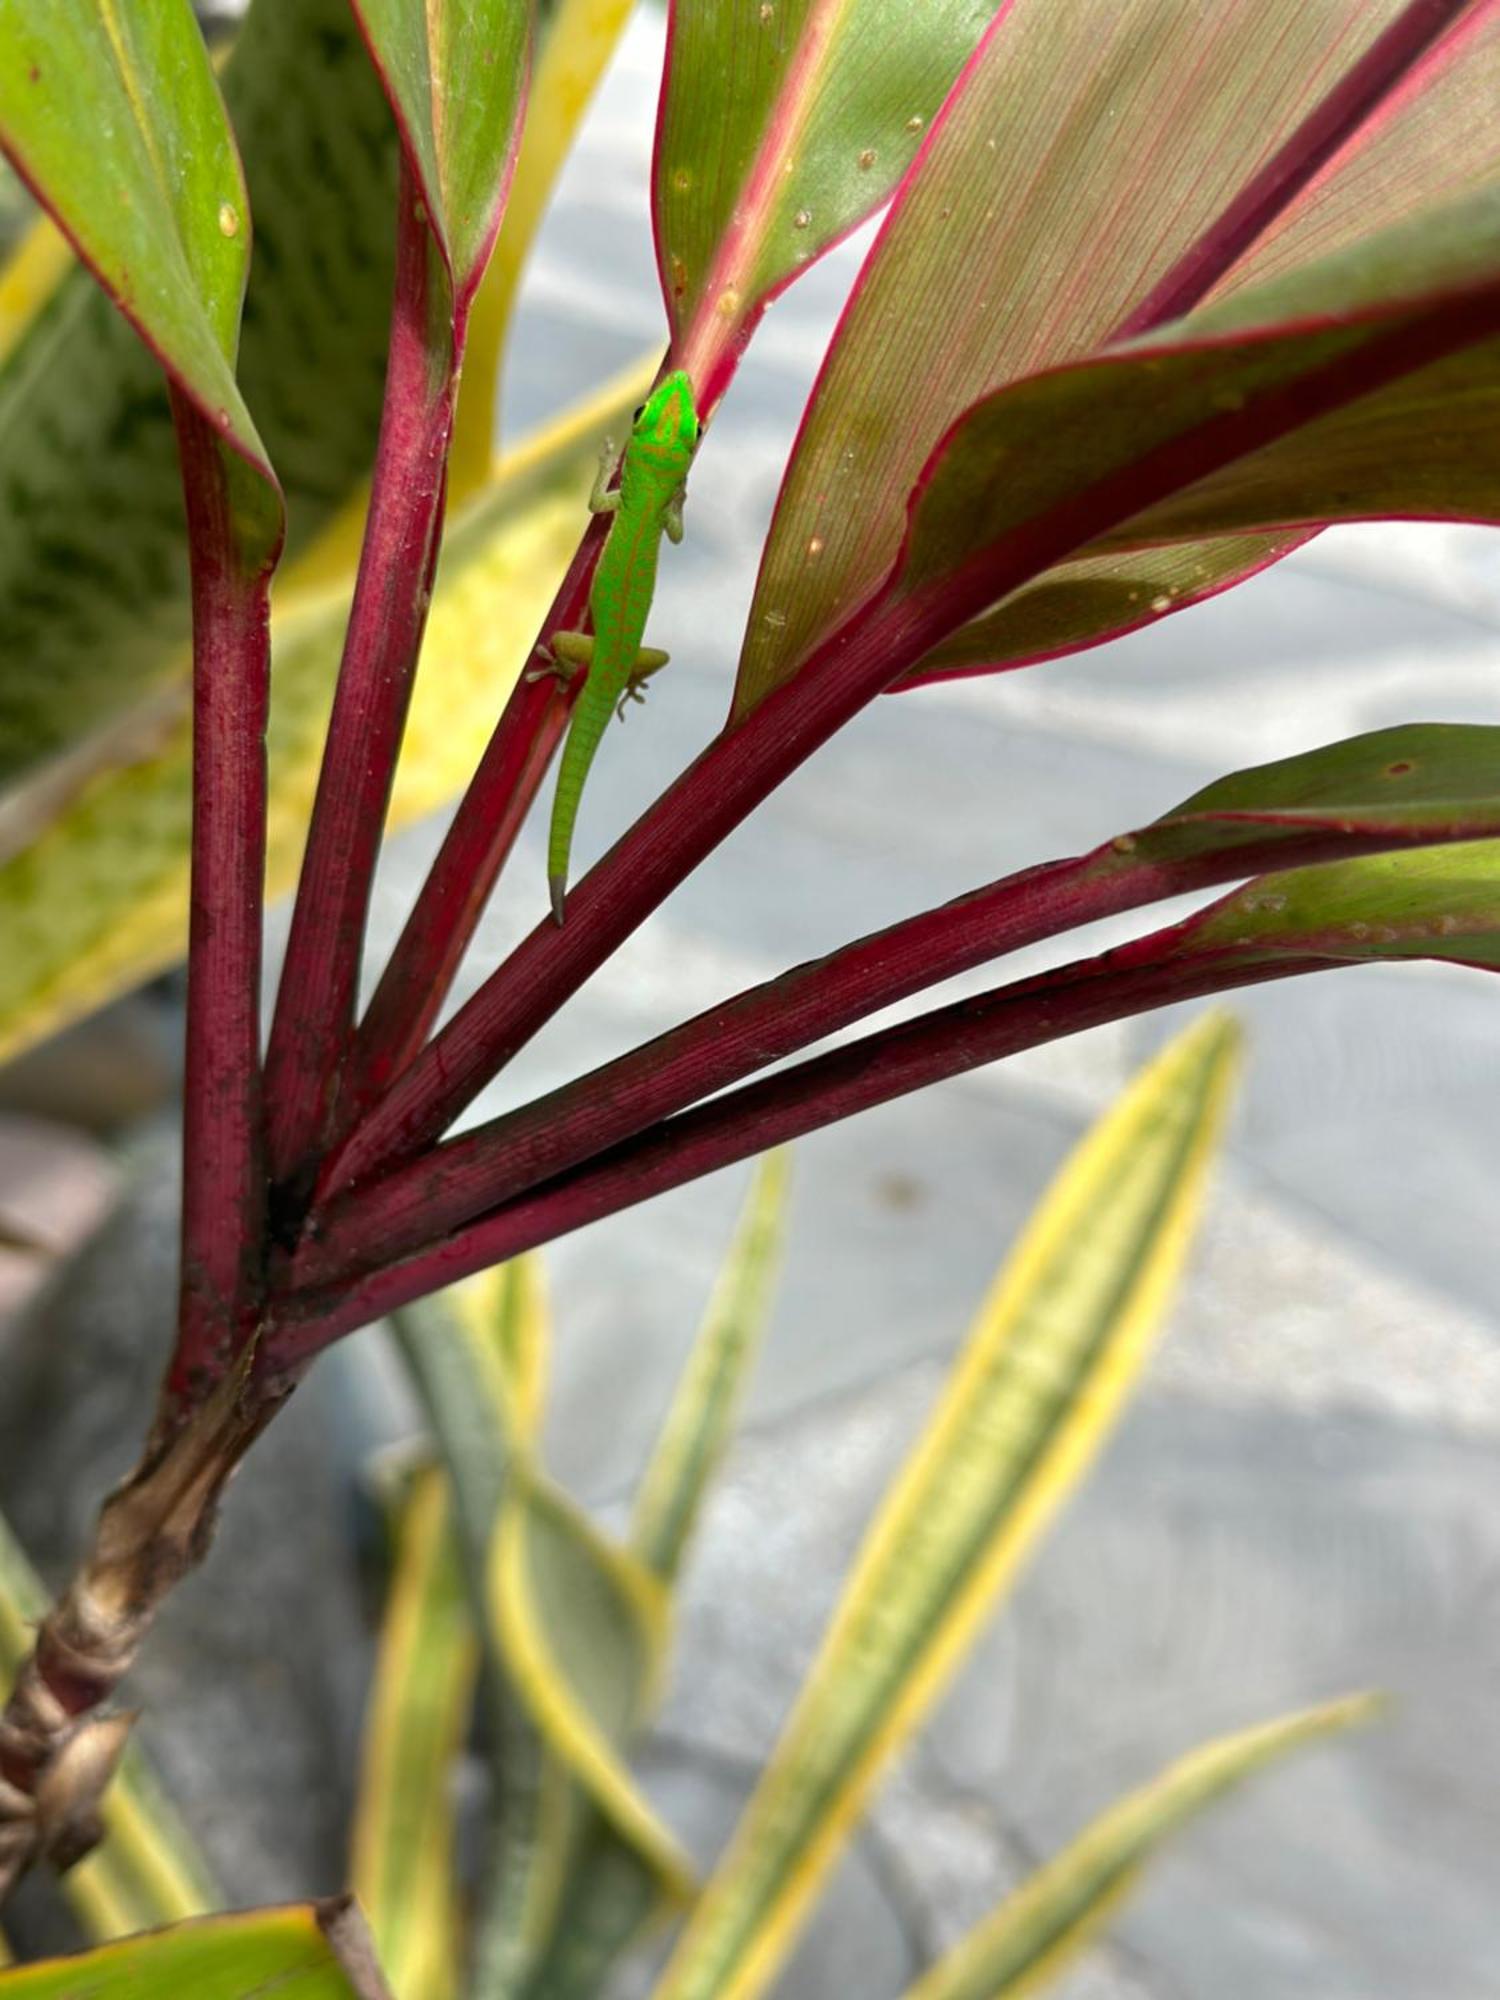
(57, 1752)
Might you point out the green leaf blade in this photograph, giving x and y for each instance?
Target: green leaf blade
(307, 1952)
(456, 72)
(93, 568)
(782, 127)
(114, 118)
(1440, 902)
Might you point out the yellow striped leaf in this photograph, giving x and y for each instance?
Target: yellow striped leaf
(402, 1861)
(148, 1871)
(701, 1420)
(1056, 1348)
(582, 1626)
(1032, 1937)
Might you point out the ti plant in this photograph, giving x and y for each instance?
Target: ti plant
(1159, 291)
(508, 1600)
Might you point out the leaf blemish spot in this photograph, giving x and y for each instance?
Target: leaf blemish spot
(815, 547)
(915, 122)
(682, 180)
(866, 159)
(229, 219)
(1162, 603)
(802, 218)
(1398, 770)
(728, 303)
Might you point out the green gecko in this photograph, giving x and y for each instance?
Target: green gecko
(646, 504)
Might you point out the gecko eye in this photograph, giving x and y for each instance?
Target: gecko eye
(640, 411)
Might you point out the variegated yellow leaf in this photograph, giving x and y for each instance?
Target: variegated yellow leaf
(582, 1626)
(1038, 1930)
(1056, 1349)
(701, 1419)
(401, 1867)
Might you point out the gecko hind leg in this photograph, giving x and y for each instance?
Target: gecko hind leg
(648, 661)
(562, 659)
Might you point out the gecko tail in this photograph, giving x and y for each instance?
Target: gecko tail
(558, 884)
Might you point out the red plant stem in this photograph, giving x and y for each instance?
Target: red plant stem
(891, 1063)
(745, 764)
(223, 1171)
(421, 969)
(314, 1016)
(1335, 119)
(443, 1190)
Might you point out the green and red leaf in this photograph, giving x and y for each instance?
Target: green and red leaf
(456, 73)
(115, 121)
(783, 124)
(1079, 171)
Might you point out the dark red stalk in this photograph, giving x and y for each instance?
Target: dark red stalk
(441, 1191)
(223, 1167)
(314, 1016)
(421, 969)
(1268, 194)
(879, 1067)
(879, 643)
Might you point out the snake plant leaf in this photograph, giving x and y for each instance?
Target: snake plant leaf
(1439, 902)
(401, 1867)
(701, 1420)
(1037, 1932)
(1052, 1356)
(477, 1356)
(582, 1627)
(313, 1951)
(456, 71)
(573, 1629)
(782, 126)
(1079, 159)
(93, 560)
(96, 900)
(148, 1870)
(611, 1894)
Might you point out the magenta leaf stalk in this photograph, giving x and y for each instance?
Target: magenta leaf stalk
(874, 1070)
(223, 1201)
(445, 1189)
(420, 971)
(314, 1016)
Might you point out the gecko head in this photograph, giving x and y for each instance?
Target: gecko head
(668, 419)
